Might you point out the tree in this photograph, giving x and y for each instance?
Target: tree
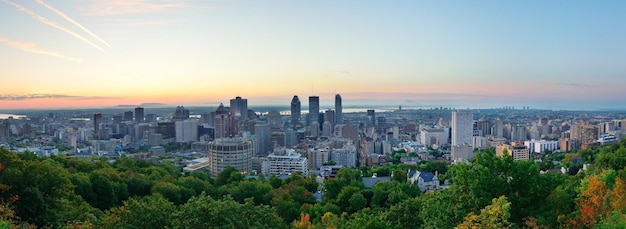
(591, 202)
(147, 212)
(403, 214)
(203, 211)
(494, 216)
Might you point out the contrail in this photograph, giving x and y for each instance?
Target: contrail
(72, 21)
(33, 48)
(50, 23)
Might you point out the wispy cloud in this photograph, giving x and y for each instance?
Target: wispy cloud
(51, 23)
(63, 15)
(116, 7)
(33, 48)
(579, 85)
(49, 96)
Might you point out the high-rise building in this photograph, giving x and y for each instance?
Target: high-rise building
(498, 128)
(139, 117)
(222, 122)
(239, 108)
(128, 116)
(330, 116)
(295, 112)
(264, 134)
(5, 131)
(338, 110)
(462, 131)
(235, 152)
(186, 130)
(314, 110)
(97, 120)
(371, 115)
(180, 114)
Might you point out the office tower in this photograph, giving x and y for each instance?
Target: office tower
(235, 152)
(128, 116)
(239, 108)
(484, 126)
(338, 110)
(264, 134)
(97, 120)
(117, 119)
(181, 114)
(295, 112)
(371, 115)
(5, 132)
(186, 130)
(314, 110)
(498, 128)
(139, 117)
(222, 122)
(274, 119)
(330, 116)
(462, 122)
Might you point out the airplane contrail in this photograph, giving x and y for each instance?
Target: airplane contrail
(72, 21)
(53, 24)
(33, 48)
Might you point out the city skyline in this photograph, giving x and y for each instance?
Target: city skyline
(479, 54)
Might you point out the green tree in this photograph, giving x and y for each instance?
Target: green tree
(203, 212)
(147, 212)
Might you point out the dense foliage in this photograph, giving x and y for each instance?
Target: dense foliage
(488, 192)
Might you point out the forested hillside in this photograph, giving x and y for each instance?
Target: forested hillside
(488, 192)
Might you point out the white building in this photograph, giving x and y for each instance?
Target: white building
(430, 137)
(540, 146)
(462, 127)
(285, 162)
(345, 156)
(186, 130)
(318, 157)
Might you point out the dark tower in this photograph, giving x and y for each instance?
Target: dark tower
(338, 110)
(314, 110)
(295, 112)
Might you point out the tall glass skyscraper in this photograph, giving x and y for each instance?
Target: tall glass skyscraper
(314, 110)
(139, 117)
(338, 110)
(295, 112)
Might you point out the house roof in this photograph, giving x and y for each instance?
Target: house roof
(369, 182)
(412, 173)
(427, 176)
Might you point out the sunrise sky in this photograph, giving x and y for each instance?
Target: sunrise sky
(99, 53)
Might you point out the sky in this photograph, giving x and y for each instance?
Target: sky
(465, 54)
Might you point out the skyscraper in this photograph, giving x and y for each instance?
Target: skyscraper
(180, 114)
(462, 127)
(239, 108)
(338, 110)
(222, 122)
(128, 116)
(264, 134)
(314, 110)
(295, 112)
(139, 114)
(97, 119)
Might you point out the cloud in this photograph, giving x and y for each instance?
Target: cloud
(116, 7)
(49, 96)
(72, 21)
(576, 85)
(53, 24)
(33, 48)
